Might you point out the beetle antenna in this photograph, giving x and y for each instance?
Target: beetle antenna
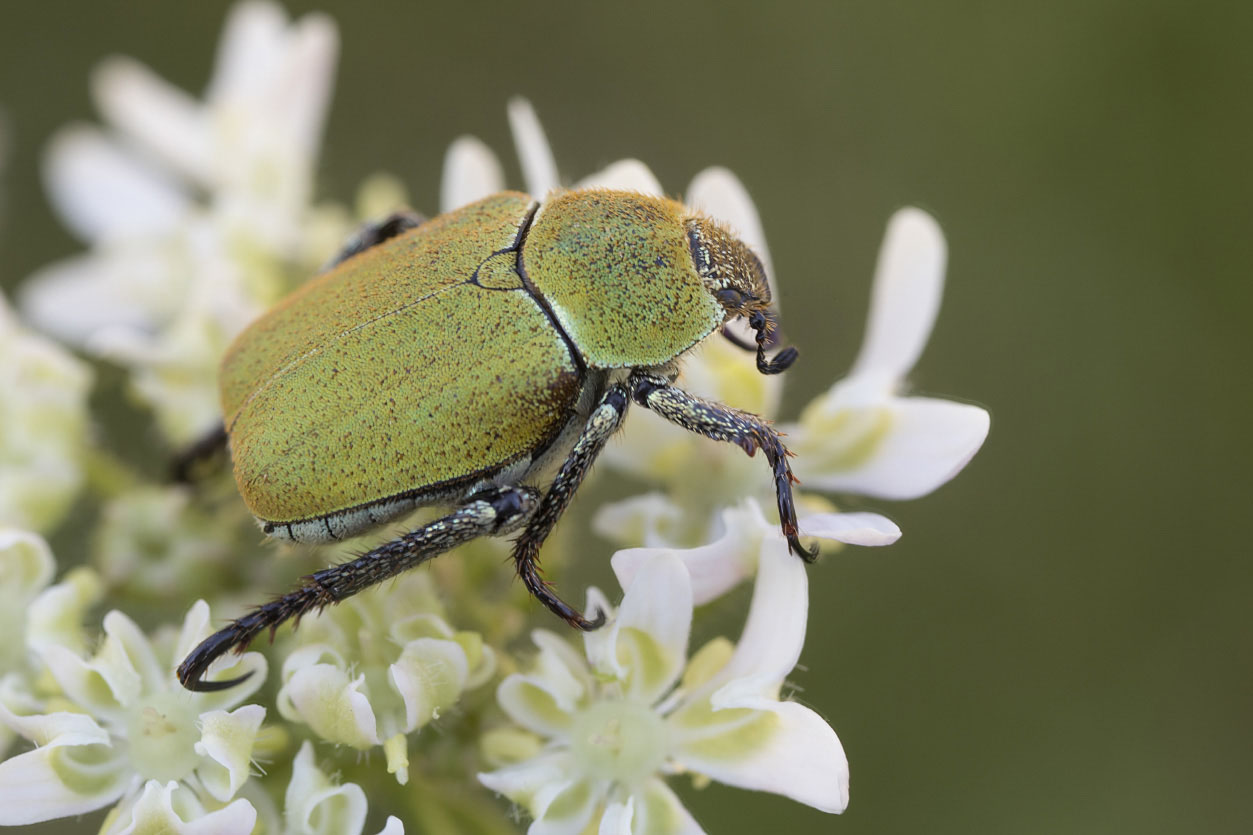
(765, 325)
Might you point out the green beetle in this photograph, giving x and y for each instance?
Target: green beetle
(468, 360)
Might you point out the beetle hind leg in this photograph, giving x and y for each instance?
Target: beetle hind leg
(490, 512)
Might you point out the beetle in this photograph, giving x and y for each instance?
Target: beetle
(469, 361)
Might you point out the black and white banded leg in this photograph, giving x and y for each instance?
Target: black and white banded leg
(722, 423)
(491, 512)
(603, 422)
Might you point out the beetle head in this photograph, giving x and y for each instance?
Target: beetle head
(735, 276)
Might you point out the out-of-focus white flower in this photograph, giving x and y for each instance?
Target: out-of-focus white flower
(26, 568)
(636, 709)
(123, 729)
(158, 541)
(172, 275)
(43, 426)
(379, 666)
(173, 808)
(862, 436)
(317, 806)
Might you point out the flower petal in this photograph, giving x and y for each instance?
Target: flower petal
(715, 568)
(103, 192)
(653, 626)
(909, 281)
(317, 806)
(775, 629)
(394, 826)
(128, 286)
(26, 563)
(624, 175)
(55, 617)
(161, 118)
(539, 169)
(226, 740)
(59, 780)
(617, 818)
(114, 677)
(851, 528)
(520, 783)
(333, 705)
(796, 754)
(532, 703)
(651, 519)
(471, 172)
(649, 634)
(560, 802)
(926, 442)
(658, 810)
(155, 811)
(429, 676)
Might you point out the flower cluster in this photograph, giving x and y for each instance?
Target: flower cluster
(197, 214)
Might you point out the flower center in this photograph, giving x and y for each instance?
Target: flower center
(621, 741)
(162, 733)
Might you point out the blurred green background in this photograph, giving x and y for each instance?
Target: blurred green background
(1060, 642)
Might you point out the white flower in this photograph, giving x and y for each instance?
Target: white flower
(43, 426)
(634, 711)
(317, 806)
(174, 809)
(379, 666)
(171, 277)
(862, 436)
(739, 538)
(124, 727)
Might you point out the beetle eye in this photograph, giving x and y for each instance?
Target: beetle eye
(730, 298)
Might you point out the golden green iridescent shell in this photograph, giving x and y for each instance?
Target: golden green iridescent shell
(398, 371)
(438, 358)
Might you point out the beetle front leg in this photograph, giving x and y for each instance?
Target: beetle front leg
(722, 423)
(604, 421)
(491, 512)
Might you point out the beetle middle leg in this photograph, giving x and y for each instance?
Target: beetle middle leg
(722, 423)
(490, 512)
(603, 422)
